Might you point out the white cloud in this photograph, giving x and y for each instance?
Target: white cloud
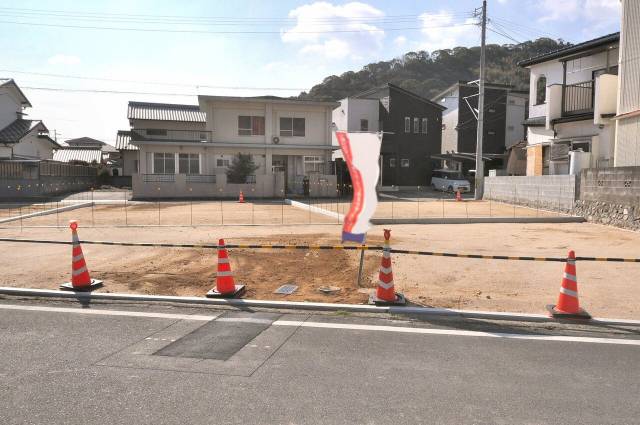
(313, 21)
(593, 11)
(60, 59)
(400, 40)
(440, 31)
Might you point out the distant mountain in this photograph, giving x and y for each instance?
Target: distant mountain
(428, 74)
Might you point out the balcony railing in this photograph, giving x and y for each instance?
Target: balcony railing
(152, 134)
(577, 98)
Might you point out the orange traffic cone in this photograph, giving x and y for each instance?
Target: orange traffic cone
(385, 293)
(241, 198)
(80, 279)
(568, 305)
(225, 285)
(458, 196)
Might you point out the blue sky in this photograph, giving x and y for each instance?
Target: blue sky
(187, 45)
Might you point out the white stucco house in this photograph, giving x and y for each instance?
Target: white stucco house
(175, 151)
(21, 138)
(573, 99)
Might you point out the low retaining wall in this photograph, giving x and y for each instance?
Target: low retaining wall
(556, 192)
(44, 187)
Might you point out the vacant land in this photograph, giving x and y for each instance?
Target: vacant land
(204, 213)
(606, 289)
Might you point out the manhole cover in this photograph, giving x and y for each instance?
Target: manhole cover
(286, 289)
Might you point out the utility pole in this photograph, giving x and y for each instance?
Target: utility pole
(479, 180)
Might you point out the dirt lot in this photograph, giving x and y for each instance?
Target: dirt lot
(606, 289)
(267, 212)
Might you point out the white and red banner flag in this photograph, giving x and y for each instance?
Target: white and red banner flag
(361, 151)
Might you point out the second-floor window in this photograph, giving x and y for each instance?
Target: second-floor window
(250, 126)
(164, 163)
(541, 90)
(416, 125)
(424, 125)
(189, 163)
(292, 127)
(407, 125)
(156, 132)
(364, 125)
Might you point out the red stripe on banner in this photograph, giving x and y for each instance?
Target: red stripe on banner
(357, 203)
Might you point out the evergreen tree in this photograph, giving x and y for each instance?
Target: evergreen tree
(241, 167)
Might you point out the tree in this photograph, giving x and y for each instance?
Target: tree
(241, 167)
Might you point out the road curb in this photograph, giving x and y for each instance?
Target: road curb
(476, 220)
(47, 212)
(300, 305)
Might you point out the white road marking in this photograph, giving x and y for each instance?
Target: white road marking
(109, 312)
(345, 326)
(245, 320)
(455, 332)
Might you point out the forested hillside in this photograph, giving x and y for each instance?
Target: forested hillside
(428, 74)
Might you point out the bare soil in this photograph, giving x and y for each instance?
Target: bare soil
(606, 289)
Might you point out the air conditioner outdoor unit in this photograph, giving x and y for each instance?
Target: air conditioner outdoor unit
(275, 139)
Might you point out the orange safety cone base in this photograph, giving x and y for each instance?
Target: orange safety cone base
(558, 314)
(95, 284)
(400, 300)
(239, 291)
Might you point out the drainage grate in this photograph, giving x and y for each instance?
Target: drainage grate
(219, 339)
(286, 289)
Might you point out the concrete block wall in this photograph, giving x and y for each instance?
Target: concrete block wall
(557, 192)
(44, 187)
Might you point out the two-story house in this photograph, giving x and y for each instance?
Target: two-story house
(504, 112)
(411, 131)
(573, 98)
(21, 138)
(185, 150)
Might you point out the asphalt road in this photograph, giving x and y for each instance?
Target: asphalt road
(124, 364)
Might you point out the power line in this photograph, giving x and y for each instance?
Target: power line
(503, 34)
(60, 89)
(164, 30)
(196, 86)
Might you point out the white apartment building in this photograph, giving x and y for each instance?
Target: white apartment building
(573, 97)
(185, 150)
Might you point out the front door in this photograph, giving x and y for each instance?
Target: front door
(279, 164)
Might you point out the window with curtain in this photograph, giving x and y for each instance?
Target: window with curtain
(425, 122)
(416, 125)
(407, 125)
(189, 163)
(164, 163)
(364, 125)
(250, 125)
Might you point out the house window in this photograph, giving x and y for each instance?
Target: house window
(392, 162)
(425, 122)
(250, 126)
(312, 164)
(404, 163)
(292, 127)
(164, 163)
(407, 125)
(156, 132)
(222, 162)
(364, 125)
(189, 163)
(416, 125)
(491, 132)
(541, 90)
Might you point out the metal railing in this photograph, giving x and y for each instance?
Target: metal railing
(165, 178)
(577, 98)
(152, 134)
(201, 178)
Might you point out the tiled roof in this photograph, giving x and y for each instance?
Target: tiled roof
(7, 81)
(165, 112)
(123, 141)
(84, 155)
(570, 50)
(17, 130)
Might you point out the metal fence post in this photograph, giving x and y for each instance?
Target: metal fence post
(58, 214)
(442, 199)
(20, 213)
(126, 218)
(515, 199)
(490, 200)
(93, 223)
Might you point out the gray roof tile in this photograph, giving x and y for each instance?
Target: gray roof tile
(165, 112)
